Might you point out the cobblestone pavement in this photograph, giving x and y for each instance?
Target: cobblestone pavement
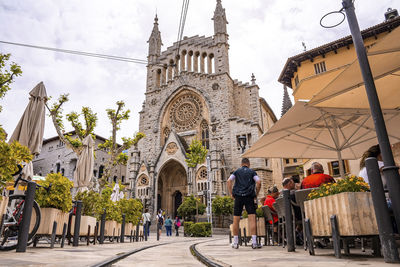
(175, 248)
(220, 252)
(174, 251)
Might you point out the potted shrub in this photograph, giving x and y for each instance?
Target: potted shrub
(113, 214)
(260, 221)
(89, 200)
(132, 208)
(244, 223)
(55, 204)
(221, 207)
(349, 200)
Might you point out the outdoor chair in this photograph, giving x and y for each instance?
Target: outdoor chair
(269, 235)
(279, 207)
(301, 196)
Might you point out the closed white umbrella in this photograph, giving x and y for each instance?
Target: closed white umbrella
(328, 133)
(85, 164)
(116, 194)
(30, 128)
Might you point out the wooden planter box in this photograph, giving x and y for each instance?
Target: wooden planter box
(244, 223)
(128, 228)
(85, 222)
(49, 215)
(111, 228)
(260, 227)
(3, 205)
(354, 210)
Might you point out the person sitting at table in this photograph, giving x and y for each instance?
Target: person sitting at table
(374, 152)
(317, 177)
(288, 184)
(273, 193)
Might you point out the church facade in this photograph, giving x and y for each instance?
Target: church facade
(190, 95)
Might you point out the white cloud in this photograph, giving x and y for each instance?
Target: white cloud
(263, 34)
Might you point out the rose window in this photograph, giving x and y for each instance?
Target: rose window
(186, 112)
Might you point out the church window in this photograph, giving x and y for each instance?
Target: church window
(101, 170)
(95, 173)
(183, 63)
(189, 61)
(319, 67)
(147, 191)
(202, 59)
(249, 139)
(210, 64)
(115, 179)
(205, 135)
(170, 70)
(158, 78)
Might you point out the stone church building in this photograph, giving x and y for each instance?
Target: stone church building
(190, 94)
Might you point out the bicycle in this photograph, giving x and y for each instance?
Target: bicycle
(13, 217)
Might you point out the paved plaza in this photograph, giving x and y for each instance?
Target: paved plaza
(175, 251)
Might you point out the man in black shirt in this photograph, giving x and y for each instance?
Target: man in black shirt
(244, 192)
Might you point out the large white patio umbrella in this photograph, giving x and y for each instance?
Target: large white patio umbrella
(85, 165)
(30, 128)
(329, 133)
(347, 90)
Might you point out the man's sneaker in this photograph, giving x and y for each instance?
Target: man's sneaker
(235, 246)
(255, 246)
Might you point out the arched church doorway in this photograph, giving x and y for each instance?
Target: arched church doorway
(178, 202)
(172, 186)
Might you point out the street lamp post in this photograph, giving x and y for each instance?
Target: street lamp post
(209, 200)
(390, 170)
(242, 142)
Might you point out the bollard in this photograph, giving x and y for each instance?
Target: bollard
(102, 226)
(383, 220)
(96, 229)
(130, 237)
(64, 232)
(23, 230)
(336, 237)
(123, 229)
(53, 235)
(289, 221)
(88, 236)
(137, 232)
(77, 225)
(245, 236)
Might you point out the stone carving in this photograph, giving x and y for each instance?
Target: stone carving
(185, 112)
(215, 86)
(171, 148)
(153, 101)
(143, 168)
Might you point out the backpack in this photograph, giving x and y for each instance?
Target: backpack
(160, 220)
(178, 223)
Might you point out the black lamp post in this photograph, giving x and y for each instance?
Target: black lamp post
(390, 170)
(242, 142)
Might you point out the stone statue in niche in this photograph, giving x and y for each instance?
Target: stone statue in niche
(171, 148)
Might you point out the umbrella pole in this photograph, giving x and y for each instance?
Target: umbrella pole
(341, 167)
(390, 170)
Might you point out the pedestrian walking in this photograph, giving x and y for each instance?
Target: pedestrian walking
(160, 221)
(168, 226)
(146, 218)
(244, 192)
(177, 224)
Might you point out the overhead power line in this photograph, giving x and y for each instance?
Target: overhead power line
(81, 53)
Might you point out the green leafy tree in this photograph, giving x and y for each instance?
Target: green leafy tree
(222, 206)
(117, 116)
(197, 154)
(89, 200)
(59, 196)
(11, 155)
(132, 208)
(8, 71)
(81, 131)
(106, 204)
(189, 207)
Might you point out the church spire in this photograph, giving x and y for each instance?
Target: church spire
(286, 103)
(220, 20)
(155, 42)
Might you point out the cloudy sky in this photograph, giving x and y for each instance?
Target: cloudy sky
(262, 35)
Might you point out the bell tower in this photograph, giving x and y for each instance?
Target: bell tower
(155, 43)
(221, 39)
